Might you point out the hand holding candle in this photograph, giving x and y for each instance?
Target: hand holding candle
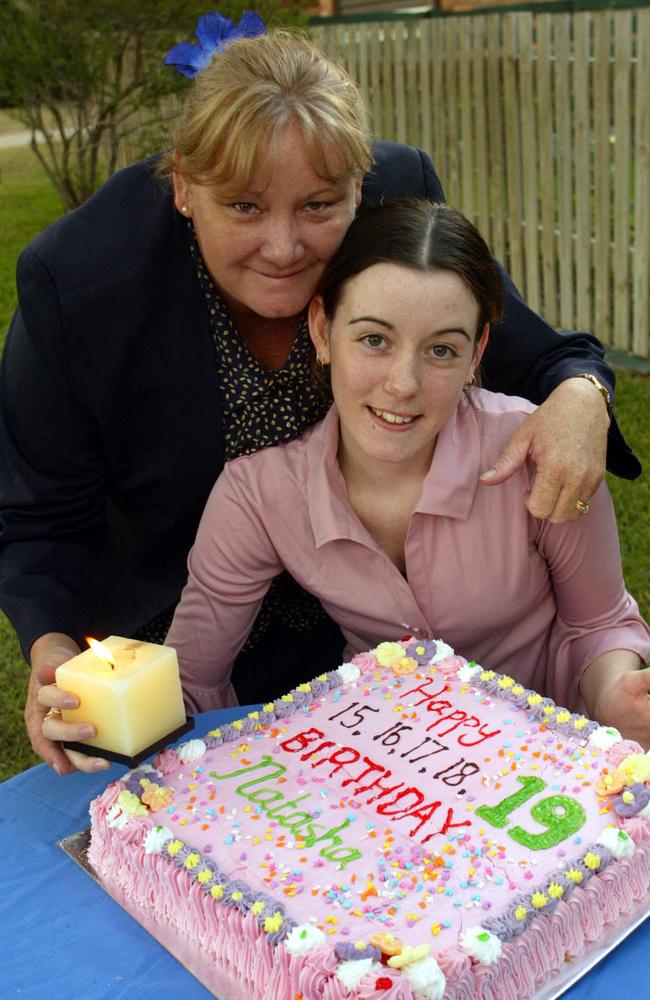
(130, 691)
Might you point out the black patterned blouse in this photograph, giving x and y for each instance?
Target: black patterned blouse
(259, 409)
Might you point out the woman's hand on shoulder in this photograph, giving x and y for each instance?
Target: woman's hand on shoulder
(45, 727)
(566, 437)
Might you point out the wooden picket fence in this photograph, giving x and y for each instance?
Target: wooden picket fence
(538, 124)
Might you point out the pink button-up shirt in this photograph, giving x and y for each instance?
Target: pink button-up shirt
(521, 596)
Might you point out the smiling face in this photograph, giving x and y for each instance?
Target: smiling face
(401, 344)
(267, 246)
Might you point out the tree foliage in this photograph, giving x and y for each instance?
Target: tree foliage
(86, 76)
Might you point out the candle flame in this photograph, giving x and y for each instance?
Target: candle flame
(101, 651)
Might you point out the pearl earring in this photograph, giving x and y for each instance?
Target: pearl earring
(185, 210)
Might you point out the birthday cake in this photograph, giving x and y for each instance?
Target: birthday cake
(410, 825)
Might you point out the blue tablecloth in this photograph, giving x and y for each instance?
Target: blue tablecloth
(63, 938)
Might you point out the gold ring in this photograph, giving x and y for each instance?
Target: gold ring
(582, 507)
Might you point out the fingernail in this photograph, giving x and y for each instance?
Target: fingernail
(55, 767)
(489, 474)
(101, 765)
(86, 732)
(70, 701)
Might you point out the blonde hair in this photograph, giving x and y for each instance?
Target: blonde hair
(238, 105)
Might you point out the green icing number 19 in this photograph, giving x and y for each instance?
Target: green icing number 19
(562, 816)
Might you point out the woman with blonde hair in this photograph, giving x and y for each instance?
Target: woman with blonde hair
(161, 331)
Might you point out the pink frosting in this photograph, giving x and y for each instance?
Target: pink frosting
(366, 662)
(167, 762)
(451, 665)
(619, 751)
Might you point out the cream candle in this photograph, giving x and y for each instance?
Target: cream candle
(129, 690)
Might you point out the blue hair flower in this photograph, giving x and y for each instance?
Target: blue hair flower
(213, 31)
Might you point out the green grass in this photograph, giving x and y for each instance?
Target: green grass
(27, 205)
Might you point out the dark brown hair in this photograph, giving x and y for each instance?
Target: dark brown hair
(421, 235)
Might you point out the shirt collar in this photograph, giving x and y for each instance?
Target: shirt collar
(448, 488)
(452, 480)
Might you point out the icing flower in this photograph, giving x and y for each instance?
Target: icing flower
(604, 737)
(157, 796)
(155, 839)
(534, 699)
(506, 682)
(135, 781)
(617, 841)
(273, 923)
(484, 947)
(389, 653)
(538, 900)
(487, 675)
(405, 666)
(611, 784)
(408, 955)
(450, 666)
(349, 672)
(591, 861)
(131, 804)
(426, 979)
(216, 891)
(555, 890)
(636, 767)
(632, 800)
(213, 32)
(173, 847)
(304, 938)
(116, 817)
(347, 951)
(521, 913)
(574, 875)
(351, 973)
(443, 651)
(422, 651)
(388, 944)
(192, 860)
(366, 662)
(192, 750)
(468, 672)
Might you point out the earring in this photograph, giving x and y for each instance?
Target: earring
(320, 362)
(185, 210)
(470, 381)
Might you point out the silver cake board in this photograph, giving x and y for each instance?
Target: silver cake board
(76, 846)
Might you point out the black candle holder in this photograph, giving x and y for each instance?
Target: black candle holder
(121, 758)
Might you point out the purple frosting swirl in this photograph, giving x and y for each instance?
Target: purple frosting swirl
(641, 795)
